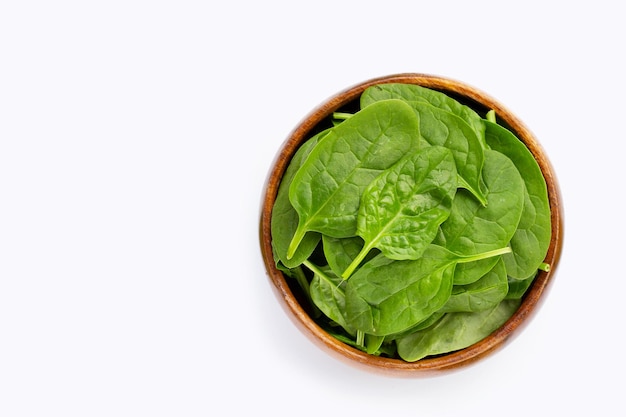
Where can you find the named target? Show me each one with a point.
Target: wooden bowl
(286, 290)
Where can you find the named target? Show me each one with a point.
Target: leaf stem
(356, 262)
(544, 267)
(360, 338)
(303, 282)
(295, 241)
(317, 271)
(484, 255)
(491, 116)
(342, 116)
(301, 279)
(475, 193)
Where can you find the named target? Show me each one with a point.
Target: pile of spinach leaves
(414, 225)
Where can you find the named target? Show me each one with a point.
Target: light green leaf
(401, 210)
(474, 228)
(441, 128)
(284, 220)
(327, 188)
(455, 331)
(532, 237)
(386, 296)
(328, 295)
(412, 92)
(480, 295)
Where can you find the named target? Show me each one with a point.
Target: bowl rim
(533, 298)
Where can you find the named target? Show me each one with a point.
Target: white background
(135, 140)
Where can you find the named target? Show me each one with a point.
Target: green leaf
(340, 253)
(427, 322)
(518, 287)
(444, 121)
(474, 228)
(328, 295)
(468, 273)
(455, 331)
(386, 296)
(284, 220)
(441, 128)
(373, 343)
(485, 293)
(532, 237)
(411, 92)
(327, 188)
(401, 210)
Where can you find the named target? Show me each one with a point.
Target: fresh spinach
(474, 228)
(518, 287)
(455, 331)
(328, 295)
(439, 127)
(532, 237)
(480, 295)
(285, 218)
(378, 294)
(412, 92)
(414, 226)
(327, 188)
(401, 210)
(340, 253)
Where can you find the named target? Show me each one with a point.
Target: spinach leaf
(373, 343)
(377, 294)
(518, 287)
(455, 331)
(443, 121)
(327, 188)
(401, 210)
(328, 295)
(485, 293)
(284, 220)
(411, 92)
(439, 127)
(474, 228)
(466, 274)
(340, 253)
(388, 296)
(532, 238)
(427, 322)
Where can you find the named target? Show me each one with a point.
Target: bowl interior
(295, 304)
